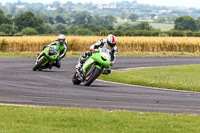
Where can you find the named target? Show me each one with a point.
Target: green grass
(16, 119)
(186, 77)
(159, 55)
(162, 26)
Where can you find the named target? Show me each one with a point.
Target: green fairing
(60, 47)
(96, 57)
(45, 62)
(52, 57)
(47, 57)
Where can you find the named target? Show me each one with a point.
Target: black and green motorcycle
(49, 56)
(93, 67)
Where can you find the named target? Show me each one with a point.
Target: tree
(4, 19)
(24, 20)
(83, 32)
(143, 26)
(61, 10)
(48, 19)
(59, 26)
(93, 28)
(1, 12)
(6, 28)
(29, 31)
(110, 20)
(98, 20)
(28, 19)
(51, 20)
(186, 23)
(198, 22)
(133, 17)
(60, 19)
(83, 18)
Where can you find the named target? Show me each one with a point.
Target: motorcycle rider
(109, 43)
(62, 46)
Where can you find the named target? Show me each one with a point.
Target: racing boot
(82, 59)
(56, 64)
(79, 65)
(107, 71)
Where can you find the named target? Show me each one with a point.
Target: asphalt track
(20, 85)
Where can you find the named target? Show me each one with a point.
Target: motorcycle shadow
(51, 71)
(96, 86)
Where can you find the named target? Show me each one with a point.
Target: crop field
(127, 45)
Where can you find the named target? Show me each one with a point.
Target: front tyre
(94, 75)
(39, 64)
(75, 79)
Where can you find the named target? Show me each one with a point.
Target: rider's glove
(94, 51)
(111, 63)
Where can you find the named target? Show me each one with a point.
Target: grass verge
(17, 119)
(123, 54)
(27, 54)
(184, 77)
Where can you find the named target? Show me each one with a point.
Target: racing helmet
(61, 39)
(111, 41)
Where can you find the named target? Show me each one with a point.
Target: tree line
(26, 23)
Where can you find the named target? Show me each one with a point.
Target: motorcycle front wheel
(39, 64)
(92, 76)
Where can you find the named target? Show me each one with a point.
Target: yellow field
(124, 44)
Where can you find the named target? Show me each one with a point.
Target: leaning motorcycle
(93, 67)
(49, 56)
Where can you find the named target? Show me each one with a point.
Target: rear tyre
(93, 76)
(38, 65)
(75, 79)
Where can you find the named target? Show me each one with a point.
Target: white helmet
(61, 38)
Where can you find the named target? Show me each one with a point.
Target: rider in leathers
(109, 43)
(62, 46)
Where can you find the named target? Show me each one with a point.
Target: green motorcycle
(93, 67)
(49, 56)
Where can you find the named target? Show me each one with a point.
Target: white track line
(132, 68)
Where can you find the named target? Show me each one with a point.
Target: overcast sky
(182, 3)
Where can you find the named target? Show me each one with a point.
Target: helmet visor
(111, 44)
(61, 41)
